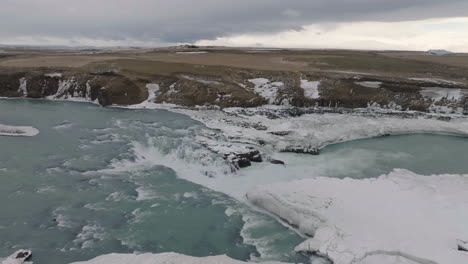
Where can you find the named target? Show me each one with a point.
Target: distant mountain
(438, 52)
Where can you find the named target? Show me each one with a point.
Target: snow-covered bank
(25, 131)
(397, 218)
(163, 258)
(272, 126)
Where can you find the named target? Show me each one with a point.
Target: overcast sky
(357, 24)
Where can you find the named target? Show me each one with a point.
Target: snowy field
(397, 218)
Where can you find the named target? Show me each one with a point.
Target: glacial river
(101, 180)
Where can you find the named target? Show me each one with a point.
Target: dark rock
(259, 126)
(256, 158)
(280, 133)
(311, 150)
(23, 255)
(243, 162)
(244, 159)
(444, 118)
(278, 162)
(9, 84)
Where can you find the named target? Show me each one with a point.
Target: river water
(101, 180)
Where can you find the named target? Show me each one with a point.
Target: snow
(370, 84)
(201, 80)
(162, 258)
(310, 89)
(25, 131)
(53, 75)
(63, 88)
(23, 86)
(352, 72)
(191, 52)
(435, 80)
(401, 217)
(317, 130)
(266, 89)
(152, 91)
(438, 93)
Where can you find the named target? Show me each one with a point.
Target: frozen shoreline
(401, 217)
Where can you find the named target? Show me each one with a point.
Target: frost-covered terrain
(25, 131)
(397, 218)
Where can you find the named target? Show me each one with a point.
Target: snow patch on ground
(191, 52)
(310, 89)
(25, 131)
(266, 89)
(370, 84)
(53, 75)
(403, 217)
(23, 86)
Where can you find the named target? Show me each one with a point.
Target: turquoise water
(100, 180)
(72, 192)
(421, 153)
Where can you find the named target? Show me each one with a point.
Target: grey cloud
(187, 21)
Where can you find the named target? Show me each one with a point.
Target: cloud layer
(160, 22)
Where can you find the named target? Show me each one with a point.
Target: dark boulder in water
(277, 162)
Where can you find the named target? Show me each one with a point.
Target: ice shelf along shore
(401, 217)
(25, 131)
